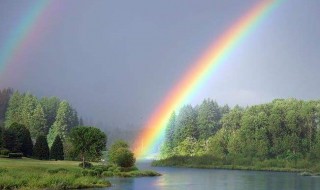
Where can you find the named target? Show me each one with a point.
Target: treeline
(286, 129)
(45, 116)
(35, 126)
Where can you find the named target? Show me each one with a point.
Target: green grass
(28, 173)
(207, 161)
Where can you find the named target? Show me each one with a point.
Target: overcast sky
(115, 60)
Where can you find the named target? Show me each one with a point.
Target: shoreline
(301, 171)
(27, 173)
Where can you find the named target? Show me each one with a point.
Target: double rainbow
(198, 74)
(25, 33)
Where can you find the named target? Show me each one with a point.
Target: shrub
(124, 157)
(86, 165)
(107, 174)
(15, 155)
(58, 170)
(4, 152)
(128, 169)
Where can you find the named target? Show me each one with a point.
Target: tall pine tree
(56, 151)
(63, 124)
(41, 148)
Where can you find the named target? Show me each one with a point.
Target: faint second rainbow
(20, 34)
(197, 75)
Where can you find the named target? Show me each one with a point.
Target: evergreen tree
(10, 141)
(23, 138)
(41, 148)
(5, 95)
(14, 110)
(56, 151)
(208, 118)
(1, 136)
(62, 124)
(38, 122)
(167, 148)
(50, 107)
(186, 125)
(29, 105)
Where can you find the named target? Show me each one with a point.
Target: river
(203, 179)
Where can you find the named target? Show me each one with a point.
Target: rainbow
(198, 74)
(21, 35)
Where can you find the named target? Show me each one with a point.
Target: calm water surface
(202, 179)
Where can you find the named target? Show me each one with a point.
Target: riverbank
(32, 174)
(28, 173)
(209, 162)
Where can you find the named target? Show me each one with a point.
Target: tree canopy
(88, 142)
(283, 128)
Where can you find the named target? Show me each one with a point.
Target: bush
(107, 174)
(86, 165)
(102, 167)
(58, 170)
(4, 152)
(15, 155)
(124, 157)
(128, 169)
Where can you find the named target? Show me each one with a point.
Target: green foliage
(50, 107)
(218, 144)
(4, 152)
(41, 116)
(15, 155)
(124, 157)
(69, 150)
(38, 122)
(167, 148)
(208, 118)
(27, 108)
(56, 151)
(63, 124)
(41, 148)
(21, 139)
(1, 135)
(85, 165)
(186, 125)
(283, 129)
(32, 174)
(57, 170)
(88, 142)
(14, 109)
(5, 95)
(120, 154)
(113, 149)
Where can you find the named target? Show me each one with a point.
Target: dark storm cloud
(116, 60)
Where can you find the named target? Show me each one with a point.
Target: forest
(284, 131)
(27, 122)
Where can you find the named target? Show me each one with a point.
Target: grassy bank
(278, 165)
(30, 174)
(36, 174)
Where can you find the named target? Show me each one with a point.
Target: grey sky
(115, 60)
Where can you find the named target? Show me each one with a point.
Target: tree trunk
(83, 161)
